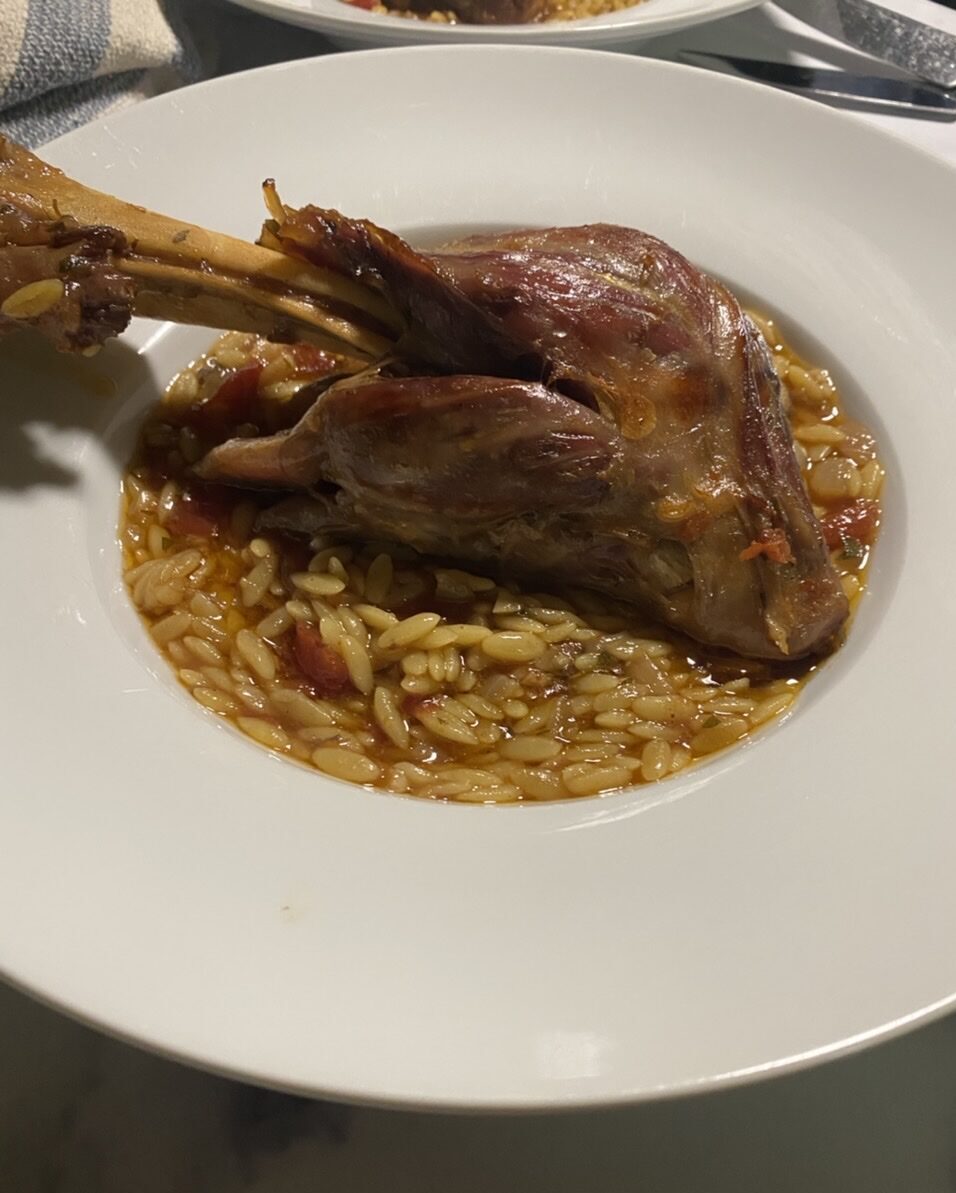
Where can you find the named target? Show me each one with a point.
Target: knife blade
(896, 96)
(919, 49)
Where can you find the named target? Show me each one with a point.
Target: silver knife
(895, 96)
(922, 50)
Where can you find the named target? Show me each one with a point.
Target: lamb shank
(580, 404)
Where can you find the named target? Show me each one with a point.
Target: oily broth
(378, 666)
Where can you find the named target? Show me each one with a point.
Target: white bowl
(167, 880)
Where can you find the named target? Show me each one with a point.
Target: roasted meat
(581, 405)
(656, 462)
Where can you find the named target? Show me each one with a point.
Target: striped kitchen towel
(64, 62)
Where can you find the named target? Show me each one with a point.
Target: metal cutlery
(873, 92)
(919, 49)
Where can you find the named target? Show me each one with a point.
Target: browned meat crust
(696, 507)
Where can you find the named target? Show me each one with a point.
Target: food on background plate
(496, 12)
(522, 517)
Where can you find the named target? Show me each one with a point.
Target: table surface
(80, 1113)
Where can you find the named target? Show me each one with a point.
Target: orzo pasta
(380, 667)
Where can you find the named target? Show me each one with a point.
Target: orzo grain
(331, 655)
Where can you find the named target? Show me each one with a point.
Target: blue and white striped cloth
(65, 62)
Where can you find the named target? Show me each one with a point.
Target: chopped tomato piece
(200, 513)
(309, 359)
(774, 544)
(239, 385)
(858, 520)
(412, 705)
(323, 668)
(232, 403)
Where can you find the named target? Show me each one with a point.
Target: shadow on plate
(48, 396)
